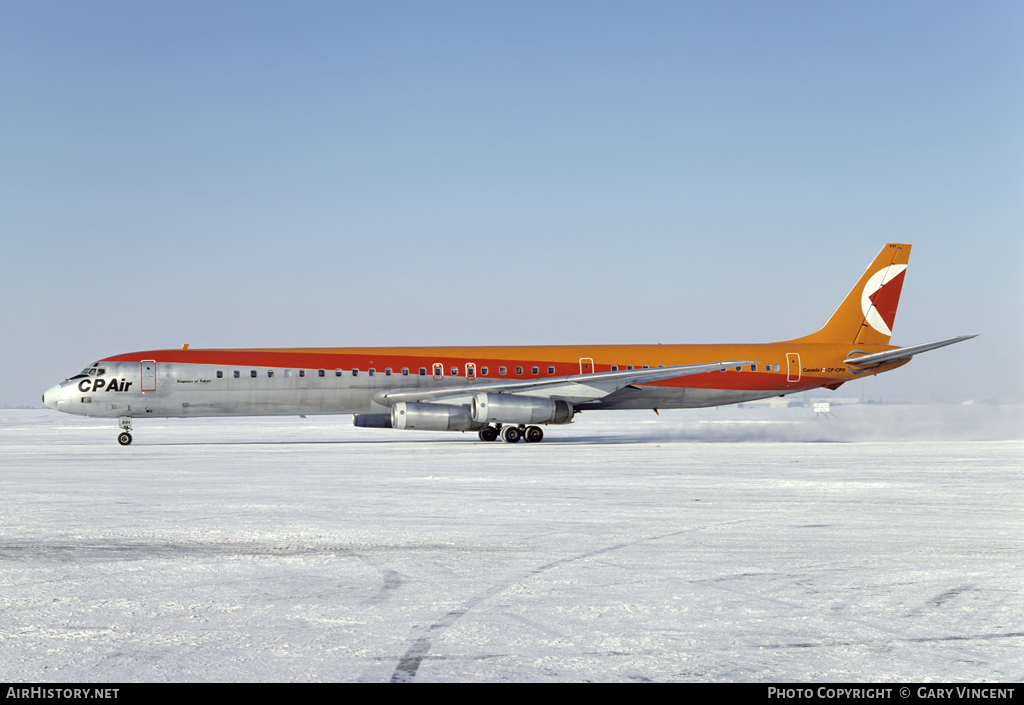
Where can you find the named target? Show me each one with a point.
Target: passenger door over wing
(586, 365)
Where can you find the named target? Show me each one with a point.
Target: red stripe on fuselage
(343, 359)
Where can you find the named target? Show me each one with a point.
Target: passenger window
(252, 373)
(455, 371)
(287, 373)
(776, 367)
(647, 367)
(502, 370)
(355, 371)
(535, 370)
(372, 372)
(337, 373)
(483, 371)
(220, 373)
(551, 369)
(270, 373)
(753, 368)
(629, 367)
(405, 371)
(423, 372)
(302, 373)
(615, 368)
(519, 370)
(739, 368)
(387, 371)
(320, 372)
(237, 374)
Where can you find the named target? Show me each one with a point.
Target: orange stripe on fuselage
(564, 358)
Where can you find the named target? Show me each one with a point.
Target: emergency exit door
(793, 367)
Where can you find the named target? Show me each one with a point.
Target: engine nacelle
(432, 417)
(513, 409)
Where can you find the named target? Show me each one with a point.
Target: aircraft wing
(574, 388)
(900, 353)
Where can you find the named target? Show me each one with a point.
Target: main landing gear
(512, 434)
(125, 437)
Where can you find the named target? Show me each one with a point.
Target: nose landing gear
(125, 437)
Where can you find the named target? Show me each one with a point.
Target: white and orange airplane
(506, 392)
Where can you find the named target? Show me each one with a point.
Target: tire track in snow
(409, 663)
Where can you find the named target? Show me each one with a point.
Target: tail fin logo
(881, 296)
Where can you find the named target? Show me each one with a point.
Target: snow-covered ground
(698, 545)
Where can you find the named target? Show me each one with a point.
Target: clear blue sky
(331, 174)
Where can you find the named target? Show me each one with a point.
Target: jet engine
(513, 409)
(432, 417)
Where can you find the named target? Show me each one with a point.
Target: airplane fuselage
(497, 391)
(189, 383)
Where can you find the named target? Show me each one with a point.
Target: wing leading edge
(574, 388)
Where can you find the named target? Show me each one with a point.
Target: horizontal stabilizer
(901, 353)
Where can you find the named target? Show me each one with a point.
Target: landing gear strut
(125, 437)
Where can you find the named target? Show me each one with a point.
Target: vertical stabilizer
(868, 312)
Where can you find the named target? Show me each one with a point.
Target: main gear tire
(533, 434)
(510, 434)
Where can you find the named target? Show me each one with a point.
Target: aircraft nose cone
(51, 396)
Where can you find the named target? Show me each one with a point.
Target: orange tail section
(868, 312)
